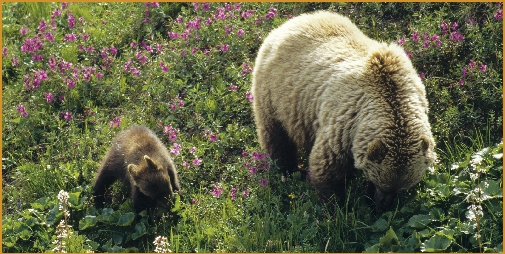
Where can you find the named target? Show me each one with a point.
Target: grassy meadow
(76, 74)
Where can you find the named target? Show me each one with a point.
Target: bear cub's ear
(150, 163)
(377, 151)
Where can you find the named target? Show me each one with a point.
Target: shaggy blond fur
(141, 161)
(321, 85)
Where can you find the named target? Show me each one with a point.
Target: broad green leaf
(390, 238)
(491, 189)
(73, 198)
(437, 243)
(414, 241)
(126, 219)
(140, 230)
(380, 225)
(118, 238)
(87, 222)
(373, 249)
(419, 221)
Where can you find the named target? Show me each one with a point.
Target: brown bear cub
(141, 161)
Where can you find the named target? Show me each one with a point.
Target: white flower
(161, 244)
(498, 156)
(454, 166)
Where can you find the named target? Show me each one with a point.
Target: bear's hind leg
(281, 148)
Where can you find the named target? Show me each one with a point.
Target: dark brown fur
(141, 161)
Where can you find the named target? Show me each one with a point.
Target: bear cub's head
(394, 167)
(152, 180)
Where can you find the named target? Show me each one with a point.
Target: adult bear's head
(394, 166)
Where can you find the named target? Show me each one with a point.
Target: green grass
(60, 143)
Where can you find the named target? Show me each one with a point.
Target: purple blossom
(464, 71)
(192, 150)
(185, 164)
(232, 193)
(220, 14)
(49, 36)
(71, 21)
(422, 75)
(49, 97)
(176, 150)
(246, 193)
(178, 20)
(224, 47)
(217, 191)
(415, 36)
(197, 161)
(37, 58)
(85, 37)
(499, 14)
(4, 51)
(71, 83)
(249, 96)
(31, 45)
(21, 109)
(104, 53)
(444, 27)
(163, 67)
(212, 137)
(195, 4)
(67, 116)
(472, 21)
(99, 75)
(244, 153)
(240, 32)
(454, 26)
(170, 132)
(15, 61)
(115, 122)
(263, 182)
(206, 6)
(135, 72)
(23, 31)
(183, 52)
(158, 48)
(206, 52)
(471, 64)
(483, 67)
(57, 12)
(42, 26)
(133, 44)
(461, 82)
(173, 35)
(401, 41)
(233, 88)
(271, 13)
(70, 37)
(227, 30)
(247, 14)
(456, 36)
(113, 50)
(193, 51)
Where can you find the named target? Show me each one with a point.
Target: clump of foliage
(75, 74)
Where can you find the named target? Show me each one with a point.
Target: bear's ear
(425, 143)
(377, 151)
(150, 163)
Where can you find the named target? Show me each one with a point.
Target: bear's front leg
(329, 171)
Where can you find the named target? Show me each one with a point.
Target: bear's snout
(384, 201)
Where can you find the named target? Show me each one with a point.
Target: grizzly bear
(141, 161)
(322, 86)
